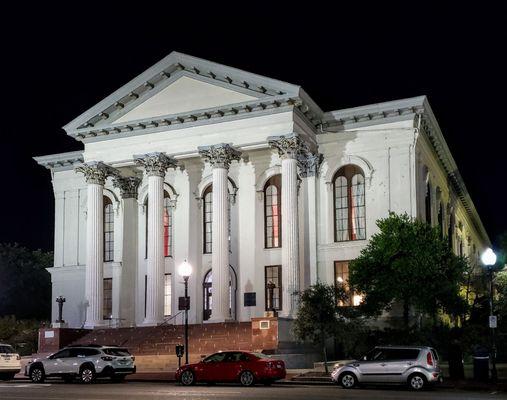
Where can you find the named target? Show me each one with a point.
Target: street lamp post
(488, 258)
(60, 300)
(185, 270)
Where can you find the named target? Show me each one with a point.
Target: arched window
(450, 231)
(272, 212)
(427, 202)
(441, 218)
(349, 204)
(168, 225)
(207, 219)
(108, 229)
(167, 221)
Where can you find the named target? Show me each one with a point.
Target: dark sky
(58, 62)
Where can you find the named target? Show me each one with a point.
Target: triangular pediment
(185, 94)
(180, 89)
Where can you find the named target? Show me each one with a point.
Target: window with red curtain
(108, 229)
(349, 204)
(207, 219)
(272, 212)
(168, 221)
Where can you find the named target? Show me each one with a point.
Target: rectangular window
(341, 277)
(167, 294)
(108, 298)
(273, 281)
(145, 293)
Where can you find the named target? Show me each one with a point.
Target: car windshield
(5, 348)
(116, 352)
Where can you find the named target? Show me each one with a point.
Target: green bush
(21, 334)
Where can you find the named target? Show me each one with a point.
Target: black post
(186, 318)
(494, 374)
(60, 300)
(271, 287)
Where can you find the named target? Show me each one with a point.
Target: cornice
(61, 161)
(373, 114)
(430, 128)
(200, 117)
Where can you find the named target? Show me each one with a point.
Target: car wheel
(348, 380)
(187, 378)
(68, 378)
(87, 374)
(246, 378)
(416, 382)
(37, 375)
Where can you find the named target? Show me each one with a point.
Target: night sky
(58, 62)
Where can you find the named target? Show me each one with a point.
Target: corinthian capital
(219, 155)
(96, 172)
(309, 163)
(288, 146)
(128, 185)
(155, 164)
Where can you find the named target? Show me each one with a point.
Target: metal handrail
(165, 323)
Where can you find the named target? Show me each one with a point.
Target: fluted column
(220, 156)
(310, 164)
(290, 148)
(155, 166)
(95, 174)
(127, 269)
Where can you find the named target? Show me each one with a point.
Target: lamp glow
(185, 269)
(488, 257)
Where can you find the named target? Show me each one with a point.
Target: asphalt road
(56, 390)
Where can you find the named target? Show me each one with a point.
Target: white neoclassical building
(246, 178)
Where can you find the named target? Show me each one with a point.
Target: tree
(317, 318)
(25, 285)
(408, 262)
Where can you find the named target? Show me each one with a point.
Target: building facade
(247, 179)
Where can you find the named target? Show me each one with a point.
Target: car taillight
(270, 364)
(107, 358)
(429, 358)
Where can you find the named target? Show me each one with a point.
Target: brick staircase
(160, 341)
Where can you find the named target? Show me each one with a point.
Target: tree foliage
(408, 262)
(25, 285)
(317, 318)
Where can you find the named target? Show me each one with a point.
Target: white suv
(83, 362)
(414, 366)
(10, 362)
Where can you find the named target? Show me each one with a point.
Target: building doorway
(207, 287)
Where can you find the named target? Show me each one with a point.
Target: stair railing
(166, 322)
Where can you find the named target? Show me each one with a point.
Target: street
(55, 390)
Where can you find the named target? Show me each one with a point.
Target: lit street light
(185, 270)
(488, 259)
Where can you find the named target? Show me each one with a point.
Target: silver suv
(414, 366)
(83, 362)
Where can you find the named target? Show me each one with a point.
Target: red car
(233, 366)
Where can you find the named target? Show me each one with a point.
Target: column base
(150, 323)
(95, 324)
(219, 320)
